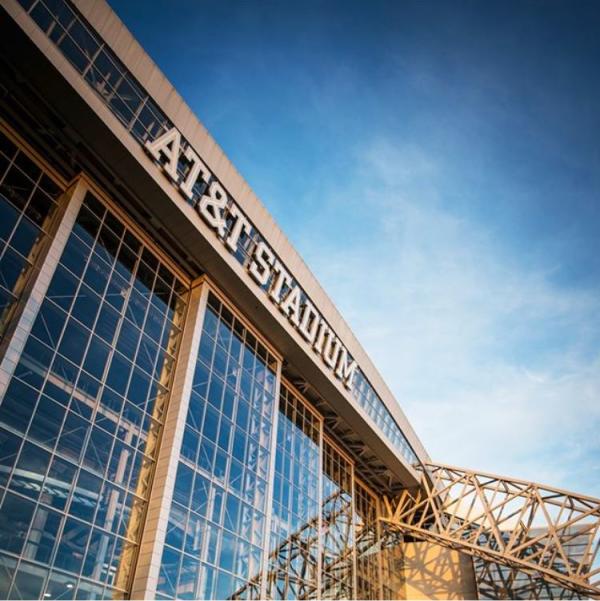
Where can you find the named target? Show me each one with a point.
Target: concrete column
(145, 578)
(270, 485)
(43, 270)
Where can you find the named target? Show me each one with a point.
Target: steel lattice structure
(524, 528)
(293, 566)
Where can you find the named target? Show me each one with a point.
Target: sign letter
(168, 144)
(345, 371)
(196, 166)
(260, 268)
(291, 306)
(211, 207)
(241, 223)
(283, 277)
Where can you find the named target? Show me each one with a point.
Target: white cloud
(489, 359)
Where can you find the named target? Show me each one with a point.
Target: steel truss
(549, 535)
(293, 565)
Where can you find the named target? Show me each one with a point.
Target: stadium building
(183, 411)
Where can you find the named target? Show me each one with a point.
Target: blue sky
(437, 164)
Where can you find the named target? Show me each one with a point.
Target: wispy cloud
(494, 363)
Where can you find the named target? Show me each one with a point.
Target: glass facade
(217, 521)
(265, 504)
(27, 202)
(81, 417)
(294, 549)
(337, 526)
(145, 120)
(368, 540)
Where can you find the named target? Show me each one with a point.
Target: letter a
(168, 145)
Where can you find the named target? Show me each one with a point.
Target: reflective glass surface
(337, 529)
(216, 531)
(368, 542)
(27, 201)
(294, 547)
(81, 418)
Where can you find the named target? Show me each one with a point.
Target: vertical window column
(147, 569)
(16, 337)
(338, 568)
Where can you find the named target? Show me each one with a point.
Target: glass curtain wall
(338, 569)
(295, 526)
(324, 541)
(27, 201)
(368, 541)
(217, 523)
(80, 420)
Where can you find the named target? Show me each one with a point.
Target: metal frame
(523, 526)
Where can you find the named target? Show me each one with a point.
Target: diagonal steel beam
(524, 526)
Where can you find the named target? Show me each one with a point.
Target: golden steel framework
(522, 527)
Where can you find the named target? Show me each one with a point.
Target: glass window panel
(98, 450)
(189, 446)
(188, 578)
(17, 187)
(49, 323)
(200, 497)
(9, 447)
(86, 305)
(58, 483)
(25, 236)
(117, 291)
(27, 166)
(111, 504)
(71, 549)
(206, 350)
(8, 218)
(16, 514)
(118, 374)
(74, 257)
(147, 354)
(97, 560)
(136, 307)
(28, 582)
(43, 535)
(126, 261)
(169, 572)
(215, 393)
(74, 342)
(7, 571)
(183, 484)
(35, 358)
(106, 326)
(73, 53)
(107, 245)
(206, 456)
(18, 405)
(96, 357)
(128, 340)
(30, 470)
(60, 586)
(138, 388)
(97, 274)
(72, 439)
(87, 226)
(211, 424)
(12, 265)
(176, 526)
